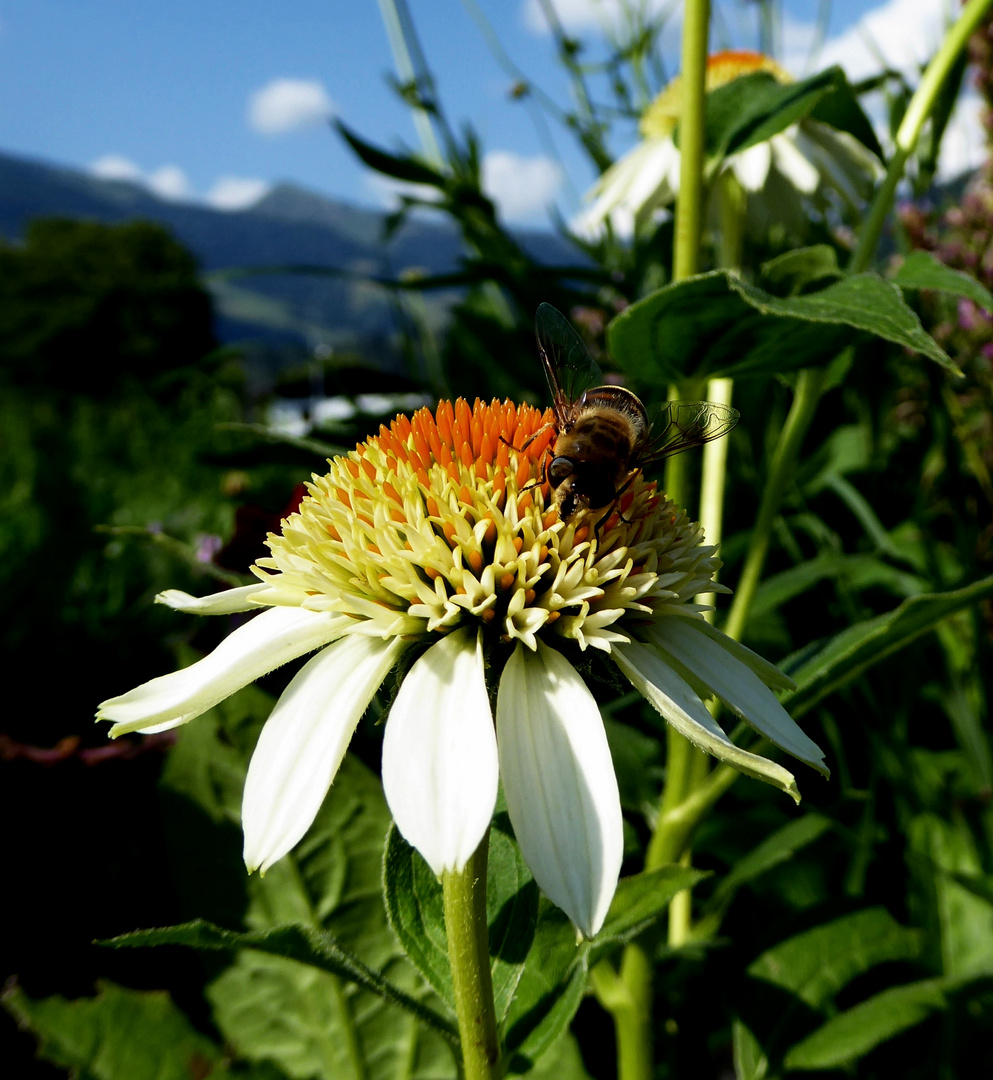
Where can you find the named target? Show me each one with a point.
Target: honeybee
(603, 436)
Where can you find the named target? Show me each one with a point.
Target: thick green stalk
(689, 205)
(469, 958)
(909, 131)
(633, 1023)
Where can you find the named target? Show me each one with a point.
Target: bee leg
(529, 440)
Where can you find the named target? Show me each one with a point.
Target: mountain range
(279, 316)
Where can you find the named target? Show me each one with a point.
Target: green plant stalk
(909, 131)
(412, 70)
(464, 895)
(689, 205)
(633, 1023)
(808, 392)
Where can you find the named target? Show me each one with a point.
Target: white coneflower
(777, 175)
(436, 537)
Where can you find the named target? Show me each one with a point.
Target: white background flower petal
(304, 740)
(259, 646)
(751, 166)
(675, 699)
(793, 165)
(740, 688)
(440, 771)
(558, 778)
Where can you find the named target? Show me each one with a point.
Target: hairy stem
(464, 895)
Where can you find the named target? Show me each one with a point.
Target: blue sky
(216, 99)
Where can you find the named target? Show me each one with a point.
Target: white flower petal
(768, 673)
(793, 165)
(261, 645)
(440, 770)
(559, 782)
(751, 166)
(304, 740)
(738, 687)
(664, 688)
(222, 603)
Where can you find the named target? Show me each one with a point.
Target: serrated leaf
(715, 324)
(305, 945)
(549, 991)
(120, 1034)
(845, 656)
(817, 963)
(405, 168)
(923, 270)
(415, 905)
(853, 1033)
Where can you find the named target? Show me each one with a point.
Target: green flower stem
(808, 392)
(464, 896)
(633, 1025)
(689, 205)
(909, 131)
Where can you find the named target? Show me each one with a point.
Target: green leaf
(750, 1061)
(783, 844)
(550, 989)
(640, 900)
(753, 108)
(851, 1034)
(405, 168)
(841, 109)
(845, 656)
(923, 270)
(414, 902)
(118, 1035)
(851, 571)
(718, 325)
(299, 943)
(816, 964)
(795, 271)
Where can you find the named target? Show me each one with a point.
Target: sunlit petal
(304, 740)
(559, 783)
(738, 687)
(440, 770)
(262, 644)
(675, 699)
(768, 673)
(751, 166)
(220, 603)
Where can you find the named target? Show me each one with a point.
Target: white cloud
(236, 192)
(963, 147)
(169, 182)
(521, 187)
(116, 167)
(288, 104)
(388, 191)
(900, 33)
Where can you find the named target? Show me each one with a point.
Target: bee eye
(559, 470)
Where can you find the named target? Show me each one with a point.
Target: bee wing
(680, 425)
(569, 368)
